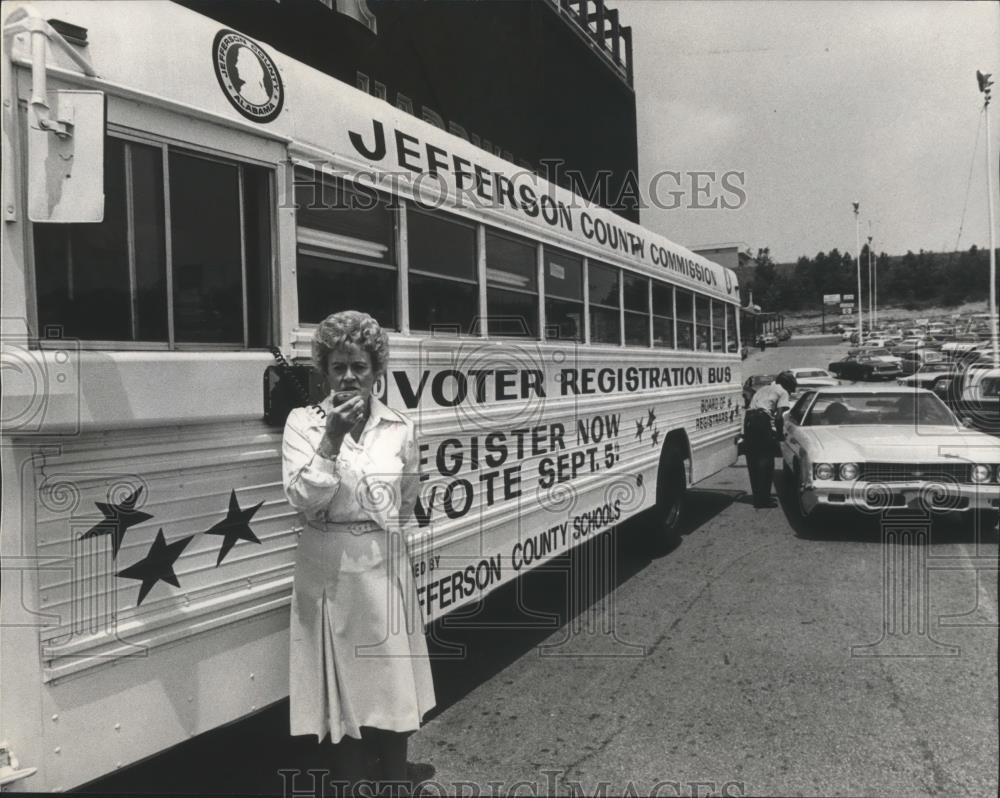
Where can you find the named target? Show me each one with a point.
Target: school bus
(182, 204)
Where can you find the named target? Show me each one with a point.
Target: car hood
(875, 443)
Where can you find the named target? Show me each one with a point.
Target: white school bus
(177, 200)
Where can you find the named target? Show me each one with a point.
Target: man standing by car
(763, 428)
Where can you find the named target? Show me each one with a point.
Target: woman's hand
(339, 421)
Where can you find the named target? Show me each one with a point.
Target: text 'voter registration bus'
(177, 201)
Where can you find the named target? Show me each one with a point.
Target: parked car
(885, 355)
(874, 448)
(974, 393)
(864, 367)
(978, 398)
(784, 334)
(754, 384)
(770, 339)
(929, 374)
(959, 345)
(812, 377)
(912, 361)
(909, 343)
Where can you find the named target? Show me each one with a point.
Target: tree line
(914, 279)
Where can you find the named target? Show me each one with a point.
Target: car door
(792, 444)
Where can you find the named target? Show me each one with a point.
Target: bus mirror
(66, 158)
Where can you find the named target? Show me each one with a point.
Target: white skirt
(358, 656)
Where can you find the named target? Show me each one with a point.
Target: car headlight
(824, 471)
(981, 473)
(849, 471)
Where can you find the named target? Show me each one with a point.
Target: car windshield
(810, 373)
(896, 409)
(934, 367)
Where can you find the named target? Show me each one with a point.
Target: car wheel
(799, 482)
(671, 488)
(796, 480)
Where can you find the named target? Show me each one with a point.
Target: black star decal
(638, 428)
(157, 565)
(117, 519)
(235, 526)
(656, 436)
(651, 419)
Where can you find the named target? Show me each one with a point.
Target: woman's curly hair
(350, 327)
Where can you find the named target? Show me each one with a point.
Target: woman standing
(359, 669)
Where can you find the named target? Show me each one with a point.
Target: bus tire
(671, 488)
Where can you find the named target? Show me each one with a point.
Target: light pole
(875, 282)
(871, 296)
(857, 238)
(984, 86)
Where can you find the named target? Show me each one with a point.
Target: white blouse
(374, 479)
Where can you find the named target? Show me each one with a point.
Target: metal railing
(601, 28)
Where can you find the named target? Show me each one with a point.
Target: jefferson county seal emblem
(248, 76)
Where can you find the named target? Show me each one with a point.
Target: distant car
(959, 345)
(864, 367)
(807, 378)
(910, 343)
(873, 448)
(770, 339)
(912, 361)
(929, 374)
(754, 384)
(977, 398)
(784, 334)
(885, 355)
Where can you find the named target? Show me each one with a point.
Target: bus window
(107, 283)
(604, 304)
(663, 315)
(636, 291)
(205, 237)
(731, 342)
(346, 258)
(511, 286)
(718, 327)
(444, 292)
(685, 319)
(703, 323)
(563, 296)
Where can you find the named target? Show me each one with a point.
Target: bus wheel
(670, 490)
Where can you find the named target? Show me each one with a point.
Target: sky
(819, 104)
